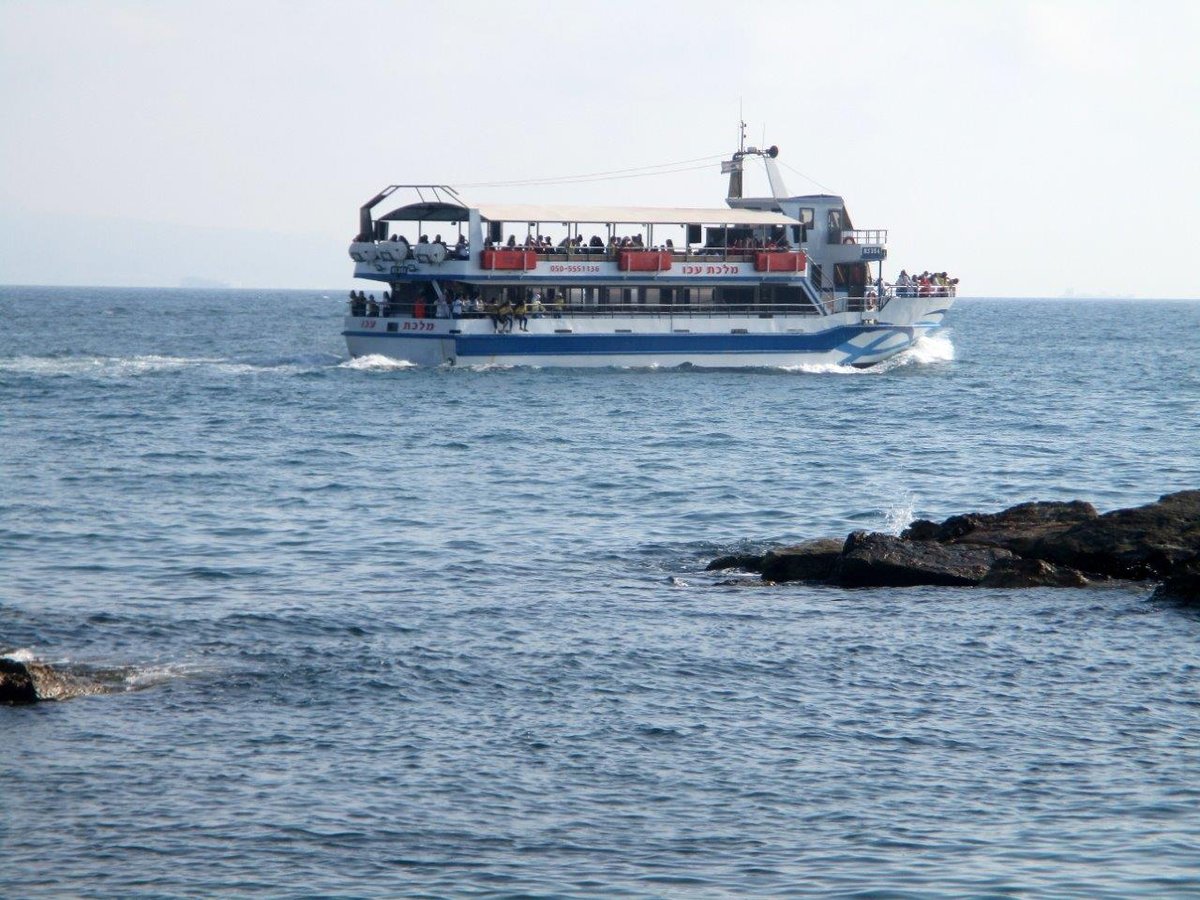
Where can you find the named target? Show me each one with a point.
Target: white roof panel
(630, 215)
(627, 215)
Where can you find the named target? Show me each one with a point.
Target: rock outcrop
(1149, 541)
(881, 560)
(1017, 529)
(1041, 544)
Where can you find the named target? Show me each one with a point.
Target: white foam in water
(931, 348)
(115, 367)
(376, 363)
(149, 676)
(825, 369)
(22, 654)
(900, 514)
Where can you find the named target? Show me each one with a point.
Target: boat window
(736, 296)
(807, 216)
(835, 220)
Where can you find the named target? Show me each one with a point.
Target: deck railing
(399, 251)
(611, 310)
(872, 237)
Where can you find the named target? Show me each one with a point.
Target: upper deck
(599, 244)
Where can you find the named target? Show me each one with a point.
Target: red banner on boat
(780, 261)
(644, 260)
(519, 260)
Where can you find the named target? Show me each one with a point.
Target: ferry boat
(773, 281)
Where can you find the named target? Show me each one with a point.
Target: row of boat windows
(473, 301)
(687, 238)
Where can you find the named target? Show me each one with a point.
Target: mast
(734, 167)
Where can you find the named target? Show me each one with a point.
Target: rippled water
(376, 630)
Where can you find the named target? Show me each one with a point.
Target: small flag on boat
(731, 165)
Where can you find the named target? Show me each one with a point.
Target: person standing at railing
(520, 312)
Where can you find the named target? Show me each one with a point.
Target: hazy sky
(1031, 148)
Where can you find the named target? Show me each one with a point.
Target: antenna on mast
(733, 167)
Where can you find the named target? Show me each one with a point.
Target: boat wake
(930, 348)
(138, 366)
(376, 363)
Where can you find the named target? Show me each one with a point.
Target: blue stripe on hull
(491, 345)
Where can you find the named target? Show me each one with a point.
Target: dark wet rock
(1038, 544)
(809, 561)
(1015, 572)
(749, 562)
(29, 682)
(1183, 586)
(883, 560)
(1150, 541)
(16, 684)
(1017, 529)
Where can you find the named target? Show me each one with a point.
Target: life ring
(849, 240)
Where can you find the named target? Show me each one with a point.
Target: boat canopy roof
(639, 215)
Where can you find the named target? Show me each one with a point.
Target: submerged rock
(810, 561)
(29, 682)
(749, 562)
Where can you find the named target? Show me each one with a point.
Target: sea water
(379, 630)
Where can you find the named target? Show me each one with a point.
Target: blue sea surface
(387, 631)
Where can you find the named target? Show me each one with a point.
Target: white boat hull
(581, 340)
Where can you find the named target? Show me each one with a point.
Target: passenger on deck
(372, 306)
(511, 242)
(504, 316)
(419, 307)
(477, 307)
(456, 308)
(520, 312)
(535, 305)
(597, 242)
(442, 309)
